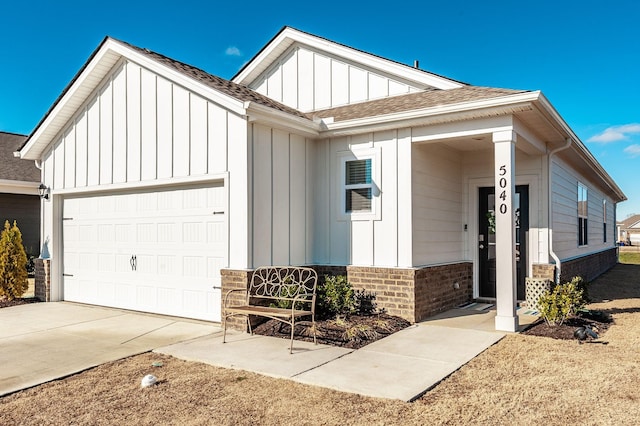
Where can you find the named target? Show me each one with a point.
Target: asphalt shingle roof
(230, 88)
(12, 168)
(413, 101)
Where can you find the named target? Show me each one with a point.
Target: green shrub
(562, 302)
(582, 285)
(335, 297)
(365, 302)
(13, 263)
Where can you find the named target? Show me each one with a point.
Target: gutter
(550, 206)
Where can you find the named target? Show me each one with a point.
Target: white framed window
(583, 216)
(359, 184)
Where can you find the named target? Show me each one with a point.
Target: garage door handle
(67, 275)
(134, 262)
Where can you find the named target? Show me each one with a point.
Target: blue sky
(583, 55)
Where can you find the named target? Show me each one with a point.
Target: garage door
(154, 251)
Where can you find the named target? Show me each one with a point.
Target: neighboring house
(19, 200)
(168, 184)
(629, 230)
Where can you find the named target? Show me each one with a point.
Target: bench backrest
(284, 283)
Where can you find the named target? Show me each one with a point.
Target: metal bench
(271, 285)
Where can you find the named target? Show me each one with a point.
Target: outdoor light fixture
(44, 191)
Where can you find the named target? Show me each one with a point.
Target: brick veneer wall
(233, 279)
(413, 294)
(42, 288)
(394, 288)
(436, 289)
(589, 267)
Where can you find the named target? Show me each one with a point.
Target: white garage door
(155, 251)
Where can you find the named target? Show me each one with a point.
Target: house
(629, 230)
(19, 200)
(169, 185)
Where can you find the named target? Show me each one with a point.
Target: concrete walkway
(401, 366)
(46, 341)
(41, 342)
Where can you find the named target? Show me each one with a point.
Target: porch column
(504, 158)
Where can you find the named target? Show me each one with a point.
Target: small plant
(365, 302)
(335, 297)
(562, 302)
(361, 332)
(13, 261)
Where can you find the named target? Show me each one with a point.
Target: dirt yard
(521, 380)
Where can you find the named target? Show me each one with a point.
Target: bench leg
(249, 324)
(293, 328)
(224, 333)
(313, 324)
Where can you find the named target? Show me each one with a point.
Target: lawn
(520, 380)
(629, 257)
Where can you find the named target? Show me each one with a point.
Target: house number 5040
(503, 182)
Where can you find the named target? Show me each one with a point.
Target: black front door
(487, 239)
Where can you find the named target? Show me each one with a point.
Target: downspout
(550, 213)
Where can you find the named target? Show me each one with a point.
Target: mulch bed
(595, 319)
(15, 302)
(353, 332)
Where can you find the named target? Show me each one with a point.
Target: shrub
(562, 302)
(335, 297)
(13, 263)
(365, 302)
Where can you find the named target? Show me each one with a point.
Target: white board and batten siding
(437, 204)
(142, 132)
(281, 197)
(380, 241)
(310, 80)
(565, 213)
(141, 127)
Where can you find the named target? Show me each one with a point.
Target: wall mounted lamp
(44, 191)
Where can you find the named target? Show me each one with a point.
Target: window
(358, 186)
(604, 220)
(359, 191)
(582, 215)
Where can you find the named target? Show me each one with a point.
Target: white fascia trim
(34, 140)
(402, 71)
(19, 187)
(179, 78)
(522, 99)
(100, 66)
(581, 148)
(280, 119)
(169, 182)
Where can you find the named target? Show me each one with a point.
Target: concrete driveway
(41, 342)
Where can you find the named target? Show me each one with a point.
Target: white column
(504, 158)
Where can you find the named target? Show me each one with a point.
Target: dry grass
(520, 380)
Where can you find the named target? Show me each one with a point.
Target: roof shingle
(230, 88)
(413, 101)
(12, 168)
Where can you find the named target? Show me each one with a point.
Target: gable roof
(227, 87)
(630, 222)
(289, 36)
(100, 63)
(413, 101)
(12, 168)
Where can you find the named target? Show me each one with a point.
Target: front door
(487, 240)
